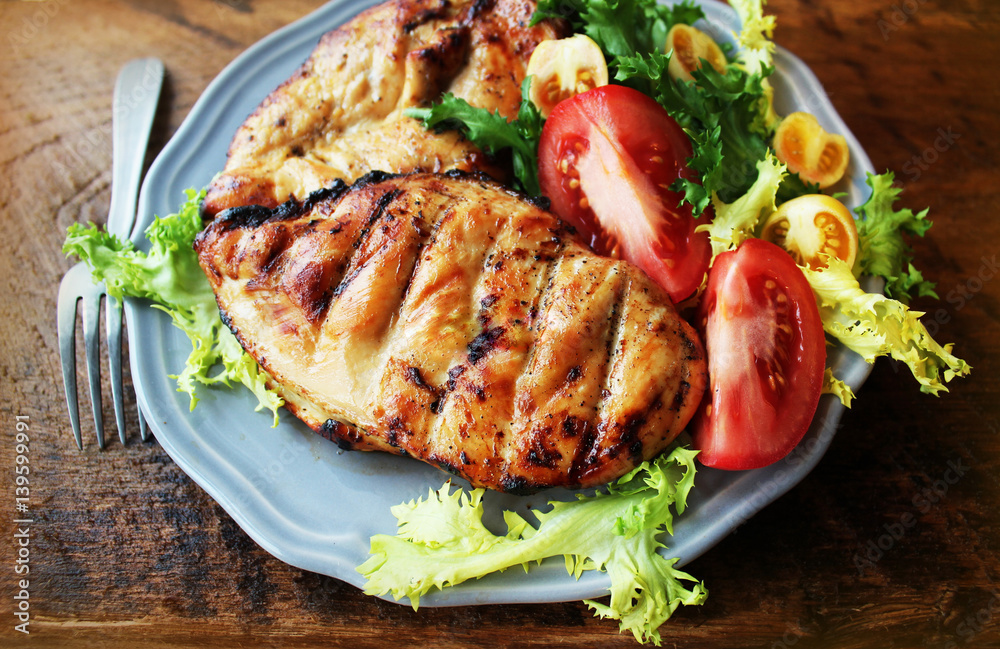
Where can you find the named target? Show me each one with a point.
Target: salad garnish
(884, 251)
(492, 133)
(874, 325)
(442, 542)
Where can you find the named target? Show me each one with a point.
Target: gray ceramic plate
(314, 506)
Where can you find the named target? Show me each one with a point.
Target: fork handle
(137, 93)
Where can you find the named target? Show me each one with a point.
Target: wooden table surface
(892, 541)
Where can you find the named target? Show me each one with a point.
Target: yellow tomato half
(563, 68)
(812, 228)
(690, 45)
(817, 156)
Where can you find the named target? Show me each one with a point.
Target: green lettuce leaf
(883, 251)
(170, 276)
(621, 28)
(441, 542)
(492, 133)
(736, 222)
(874, 325)
(720, 113)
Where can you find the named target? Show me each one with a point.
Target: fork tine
(113, 335)
(91, 340)
(143, 429)
(67, 351)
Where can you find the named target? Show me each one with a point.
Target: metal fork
(137, 92)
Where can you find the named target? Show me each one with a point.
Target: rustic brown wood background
(127, 550)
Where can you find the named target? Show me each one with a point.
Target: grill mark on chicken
(413, 374)
(377, 213)
(626, 432)
(245, 216)
(482, 344)
(443, 57)
(485, 340)
(536, 305)
(681, 396)
(254, 216)
(339, 433)
(269, 259)
(543, 296)
(612, 342)
(359, 244)
(312, 291)
(478, 8)
(424, 17)
(453, 375)
(595, 435)
(444, 353)
(427, 233)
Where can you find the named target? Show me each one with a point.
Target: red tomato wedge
(606, 160)
(766, 356)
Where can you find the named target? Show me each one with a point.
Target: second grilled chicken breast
(447, 318)
(342, 113)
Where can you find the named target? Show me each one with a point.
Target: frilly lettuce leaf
(720, 112)
(621, 27)
(755, 34)
(883, 252)
(441, 542)
(170, 276)
(735, 222)
(840, 389)
(757, 51)
(874, 325)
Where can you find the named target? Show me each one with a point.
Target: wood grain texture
(127, 550)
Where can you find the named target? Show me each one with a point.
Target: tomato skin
(607, 158)
(766, 356)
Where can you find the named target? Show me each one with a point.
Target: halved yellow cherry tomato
(690, 45)
(817, 156)
(563, 68)
(812, 228)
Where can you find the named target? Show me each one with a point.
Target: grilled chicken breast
(446, 318)
(341, 114)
